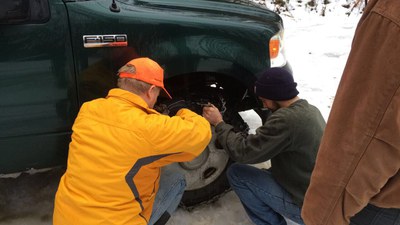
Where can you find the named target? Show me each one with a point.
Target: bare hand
(212, 114)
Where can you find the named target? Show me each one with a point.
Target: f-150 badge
(108, 40)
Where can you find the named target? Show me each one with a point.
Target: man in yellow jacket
(119, 145)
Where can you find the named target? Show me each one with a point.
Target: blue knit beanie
(276, 84)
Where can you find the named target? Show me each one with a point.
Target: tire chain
(208, 202)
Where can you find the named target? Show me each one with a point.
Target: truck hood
(229, 10)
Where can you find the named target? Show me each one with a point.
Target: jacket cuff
(222, 126)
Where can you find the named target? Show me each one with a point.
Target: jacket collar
(131, 98)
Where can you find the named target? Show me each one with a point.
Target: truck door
(37, 84)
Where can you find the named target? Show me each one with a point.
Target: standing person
(119, 146)
(356, 178)
(289, 138)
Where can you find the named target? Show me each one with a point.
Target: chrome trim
(107, 40)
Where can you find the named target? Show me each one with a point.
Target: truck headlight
(276, 51)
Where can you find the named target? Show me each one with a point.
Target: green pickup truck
(57, 54)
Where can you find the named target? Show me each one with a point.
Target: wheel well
(198, 85)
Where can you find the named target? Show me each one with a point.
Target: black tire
(209, 193)
(219, 185)
(205, 176)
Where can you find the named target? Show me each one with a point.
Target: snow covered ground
(317, 48)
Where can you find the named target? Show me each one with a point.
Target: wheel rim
(205, 168)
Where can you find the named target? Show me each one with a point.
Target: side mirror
(24, 11)
(14, 11)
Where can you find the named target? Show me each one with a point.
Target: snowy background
(316, 47)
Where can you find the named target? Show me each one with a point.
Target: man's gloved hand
(175, 105)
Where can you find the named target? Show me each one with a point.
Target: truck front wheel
(205, 175)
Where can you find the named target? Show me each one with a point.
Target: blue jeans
(264, 200)
(172, 186)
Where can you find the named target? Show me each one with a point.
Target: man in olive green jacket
(290, 138)
(356, 179)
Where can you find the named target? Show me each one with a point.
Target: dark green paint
(46, 73)
(39, 97)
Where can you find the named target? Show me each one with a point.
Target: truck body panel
(37, 84)
(70, 54)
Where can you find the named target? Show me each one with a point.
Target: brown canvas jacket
(359, 157)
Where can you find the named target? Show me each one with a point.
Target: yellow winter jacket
(118, 147)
